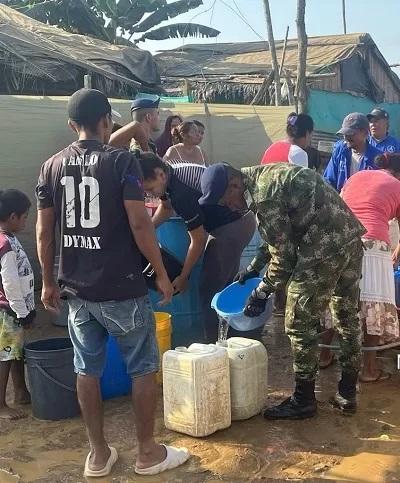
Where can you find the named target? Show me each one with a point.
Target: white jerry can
(248, 364)
(196, 389)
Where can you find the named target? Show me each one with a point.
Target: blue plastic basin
(230, 303)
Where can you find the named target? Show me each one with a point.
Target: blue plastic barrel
(250, 251)
(397, 286)
(187, 325)
(115, 381)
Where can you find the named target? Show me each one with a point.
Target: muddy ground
(362, 448)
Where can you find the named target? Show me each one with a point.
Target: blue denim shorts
(131, 322)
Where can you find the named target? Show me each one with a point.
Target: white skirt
(377, 282)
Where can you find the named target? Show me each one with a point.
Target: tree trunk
(301, 86)
(272, 49)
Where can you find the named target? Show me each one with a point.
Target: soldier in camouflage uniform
(314, 242)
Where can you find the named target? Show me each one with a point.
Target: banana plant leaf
(178, 30)
(162, 14)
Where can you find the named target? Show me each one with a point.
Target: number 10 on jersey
(89, 200)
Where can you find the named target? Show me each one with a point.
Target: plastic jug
(248, 364)
(196, 389)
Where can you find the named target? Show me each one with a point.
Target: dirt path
(364, 448)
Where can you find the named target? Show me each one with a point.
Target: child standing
(17, 305)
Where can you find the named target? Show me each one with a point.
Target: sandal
(175, 457)
(382, 376)
(104, 471)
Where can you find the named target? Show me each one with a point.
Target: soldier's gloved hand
(245, 275)
(256, 303)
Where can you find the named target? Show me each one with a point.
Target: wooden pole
(87, 81)
(284, 51)
(263, 89)
(344, 16)
(272, 49)
(301, 85)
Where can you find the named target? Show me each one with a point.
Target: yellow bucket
(163, 331)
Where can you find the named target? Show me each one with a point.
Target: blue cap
(354, 122)
(213, 184)
(145, 103)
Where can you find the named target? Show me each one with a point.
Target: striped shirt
(183, 192)
(188, 173)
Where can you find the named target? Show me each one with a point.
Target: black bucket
(52, 380)
(172, 266)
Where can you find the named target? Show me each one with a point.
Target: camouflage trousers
(334, 283)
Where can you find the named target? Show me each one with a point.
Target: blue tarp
(329, 108)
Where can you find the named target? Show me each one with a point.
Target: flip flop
(382, 376)
(175, 457)
(329, 364)
(104, 471)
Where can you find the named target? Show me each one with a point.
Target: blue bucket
(115, 381)
(250, 251)
(230, 303)
(187, 324)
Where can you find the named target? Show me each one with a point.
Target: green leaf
(177, 30)
(165, 13)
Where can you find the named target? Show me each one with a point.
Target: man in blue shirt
(353, 154)
(379, 128)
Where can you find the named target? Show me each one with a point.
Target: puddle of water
(365, 468)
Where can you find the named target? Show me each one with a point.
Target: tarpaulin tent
(34, 128)
(41, 59)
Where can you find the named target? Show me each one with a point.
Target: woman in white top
(186, 148)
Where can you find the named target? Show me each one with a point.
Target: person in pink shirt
(374, 197)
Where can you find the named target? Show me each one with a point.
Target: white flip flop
(175, 457)
(104, 471)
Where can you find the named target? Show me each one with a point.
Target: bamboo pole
(301, 86)
(274, 60)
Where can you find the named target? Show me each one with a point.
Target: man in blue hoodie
(379, 128)
(353, 154)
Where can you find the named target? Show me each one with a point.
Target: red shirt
(285, 152)
(374, 198)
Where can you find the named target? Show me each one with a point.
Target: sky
(379, 18)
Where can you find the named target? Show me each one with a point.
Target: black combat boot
(345, 399)
(301, 405)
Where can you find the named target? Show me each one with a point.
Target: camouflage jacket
(301, 218)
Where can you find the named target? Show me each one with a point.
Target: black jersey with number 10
(86, 184)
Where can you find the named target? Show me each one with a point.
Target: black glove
(28, 320)
(255, 305)
(245, 275)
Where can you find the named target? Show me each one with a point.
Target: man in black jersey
(94, 193)
(219, 232)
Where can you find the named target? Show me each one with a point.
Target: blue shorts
(131, 322)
